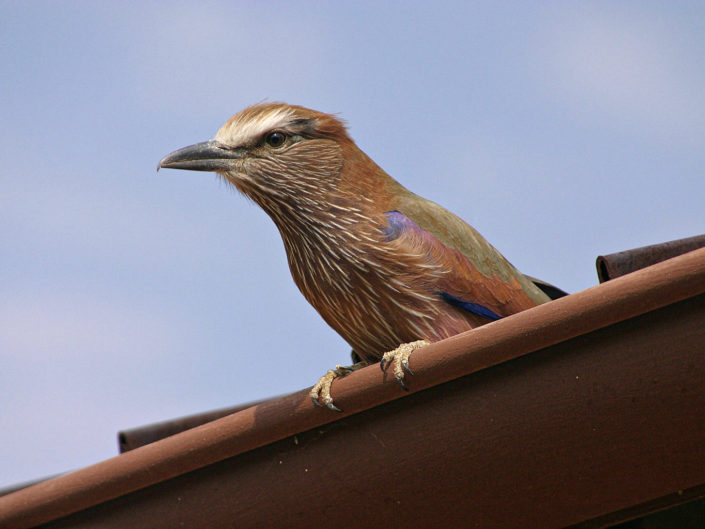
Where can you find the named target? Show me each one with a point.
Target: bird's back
(456, 234)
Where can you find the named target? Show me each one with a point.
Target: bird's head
(282, 156)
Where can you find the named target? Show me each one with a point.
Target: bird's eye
(275, 139)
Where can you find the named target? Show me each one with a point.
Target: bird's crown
(248, 127)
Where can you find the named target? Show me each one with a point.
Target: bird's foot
(399, 358)
(320, 392)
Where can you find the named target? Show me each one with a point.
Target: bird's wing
(459, 283)
(480, 267)
(552, 291)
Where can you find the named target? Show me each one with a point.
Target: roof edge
(501, 341)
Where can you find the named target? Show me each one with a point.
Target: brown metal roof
(584, 411)
(620, 263)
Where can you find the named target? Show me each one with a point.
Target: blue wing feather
(473, 308)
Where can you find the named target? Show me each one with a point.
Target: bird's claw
(399, 359)
(328, 402)
(320, 392)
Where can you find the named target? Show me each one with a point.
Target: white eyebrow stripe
(242, 130)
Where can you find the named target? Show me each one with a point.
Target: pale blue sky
(560, 131)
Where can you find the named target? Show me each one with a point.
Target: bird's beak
(206, 156)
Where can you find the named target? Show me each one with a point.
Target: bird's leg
(399, 358)
(320, 392)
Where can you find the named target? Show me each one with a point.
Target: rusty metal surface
(143, 435)
(620, 263)
(20, 486)
(558, 437)
(569, 411)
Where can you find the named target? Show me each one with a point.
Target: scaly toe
(328, 401)
(405, 365)
(399, 359)
(321, 389)
(320, 392)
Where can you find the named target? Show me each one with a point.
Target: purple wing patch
(398, 224)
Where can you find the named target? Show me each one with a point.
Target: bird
(388, 270)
